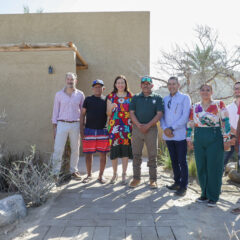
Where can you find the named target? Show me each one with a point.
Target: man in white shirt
(233, 117)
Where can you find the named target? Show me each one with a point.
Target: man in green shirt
(146, 109)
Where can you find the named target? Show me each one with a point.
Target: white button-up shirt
(233, 115)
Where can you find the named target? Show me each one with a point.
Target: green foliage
(165, 160)
(192, 168)
(26, 9)
(163, 156)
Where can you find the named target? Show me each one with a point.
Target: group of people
(121, 123)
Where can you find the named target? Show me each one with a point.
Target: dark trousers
(178, 153)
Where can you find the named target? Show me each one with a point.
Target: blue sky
(172, 21)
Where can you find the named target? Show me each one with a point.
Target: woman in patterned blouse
(210, 121)
(120, 127)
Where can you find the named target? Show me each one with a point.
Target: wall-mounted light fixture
(50, 70)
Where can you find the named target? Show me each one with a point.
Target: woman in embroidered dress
(210, 121)
(120, 127)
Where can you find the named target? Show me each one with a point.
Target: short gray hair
(73, 75)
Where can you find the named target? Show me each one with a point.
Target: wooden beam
(24, 47)
(82, 67)
(34, 49)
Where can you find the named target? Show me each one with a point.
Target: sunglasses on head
(205, 90)
(146, 79)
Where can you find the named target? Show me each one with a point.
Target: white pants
(63, 130)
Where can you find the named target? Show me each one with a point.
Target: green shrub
(164, 157)
(192, 168)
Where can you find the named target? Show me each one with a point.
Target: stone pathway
(114, 212)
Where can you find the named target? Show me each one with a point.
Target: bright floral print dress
(120, 127)
(216, 115)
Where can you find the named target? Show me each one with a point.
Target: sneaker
(173, 186)
(76, 176)
(134, 183)
(201, 199)
(211, 203)
(181, 192)
(153, 184)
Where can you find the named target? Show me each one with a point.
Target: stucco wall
(27, 95)
(112, 43)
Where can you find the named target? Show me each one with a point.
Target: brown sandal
(236, 211)
(87, 179)
(102, 180)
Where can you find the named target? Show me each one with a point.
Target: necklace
(122, 95)
(205, 106)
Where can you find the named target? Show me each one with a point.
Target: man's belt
(67, 121)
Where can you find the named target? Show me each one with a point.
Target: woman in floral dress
(210, 121)
(119, 127)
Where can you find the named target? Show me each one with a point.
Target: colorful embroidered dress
(209, 118)
(120, 127)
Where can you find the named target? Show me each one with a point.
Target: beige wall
(111, 43)
(27, 94)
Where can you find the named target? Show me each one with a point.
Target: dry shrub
(32, 177)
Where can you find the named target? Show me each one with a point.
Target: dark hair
(126, 84)
(207, 85)
(173, 78)
(236, 83)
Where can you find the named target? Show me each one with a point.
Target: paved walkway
(115, 212)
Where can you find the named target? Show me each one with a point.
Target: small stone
(11, 209)
(234, 176)
(230, 166)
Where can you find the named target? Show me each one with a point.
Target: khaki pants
(63, 131)
(138, 140)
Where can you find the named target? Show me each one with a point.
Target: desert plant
(192, 168)
(164, 157)
(7, 160)
(33, 179)
(207, 61)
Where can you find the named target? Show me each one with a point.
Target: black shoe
(201, 199)
(211, 203)
(181, 192)
(173, 186)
